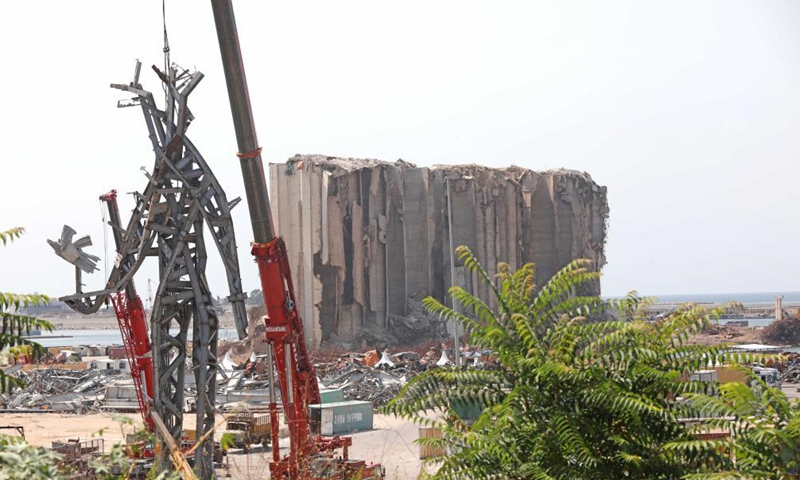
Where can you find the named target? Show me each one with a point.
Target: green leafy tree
(575, 396)
(15, 324)
(765, 432)
(21, 461)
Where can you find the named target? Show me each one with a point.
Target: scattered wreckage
(58, 390)
(792, 373)
(378, 378)
(102, 384)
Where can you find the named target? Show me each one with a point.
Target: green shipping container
(331, 395)
(469, 412)
(341, 417)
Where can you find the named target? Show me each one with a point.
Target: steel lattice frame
(182, 196)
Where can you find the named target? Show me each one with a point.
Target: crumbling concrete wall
(368, 239)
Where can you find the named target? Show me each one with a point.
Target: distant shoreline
(76, 321)
(44, 337)
(746, 298)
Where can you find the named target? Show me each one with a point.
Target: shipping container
(117, 352)
(730, 374)
(712, 435)
(331, 395)
(467, 411)
(429, 451)
(710, 376)
(341, 417)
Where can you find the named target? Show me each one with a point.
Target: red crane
(309, 457)
(132, 322)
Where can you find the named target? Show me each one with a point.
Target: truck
(770, 376)
(246, 428)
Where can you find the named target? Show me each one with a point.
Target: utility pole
(452, 270)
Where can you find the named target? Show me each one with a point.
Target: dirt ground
(390, 443)
(718, 334)
(42, 428)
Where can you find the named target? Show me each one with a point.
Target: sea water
(71, 338)
(759, 298)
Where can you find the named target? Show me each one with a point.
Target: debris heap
(67, 390)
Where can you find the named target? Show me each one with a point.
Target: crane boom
(255, 183)
(284, 327)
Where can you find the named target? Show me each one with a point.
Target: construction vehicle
(770, 376)
(310, 457)
(246, 428)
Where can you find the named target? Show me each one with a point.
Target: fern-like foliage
(587, 388)
(9, 235)
(765, 428)
(16, 325)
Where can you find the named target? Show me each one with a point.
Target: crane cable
(166, 48)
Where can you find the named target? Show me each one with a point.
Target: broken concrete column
(367, 240)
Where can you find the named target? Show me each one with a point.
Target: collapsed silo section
(368, 240)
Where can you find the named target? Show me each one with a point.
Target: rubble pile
(725, 333)
(378, 378)
(103, 383)
(77, 391)
(416, 323)
(250, 374)
(790, 373)
(370, 384)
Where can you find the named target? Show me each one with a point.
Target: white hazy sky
(689, 111)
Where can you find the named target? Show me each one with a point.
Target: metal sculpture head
(72, 251)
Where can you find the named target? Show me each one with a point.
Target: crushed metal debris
(101, 384)
(59, 390)
(379, 378)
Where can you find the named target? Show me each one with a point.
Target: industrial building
(370, 239)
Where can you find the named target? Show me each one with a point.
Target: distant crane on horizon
(149, 294)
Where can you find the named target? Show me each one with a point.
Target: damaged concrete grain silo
(368, 239)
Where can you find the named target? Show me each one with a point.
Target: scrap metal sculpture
(72, 251)
(182, 195)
